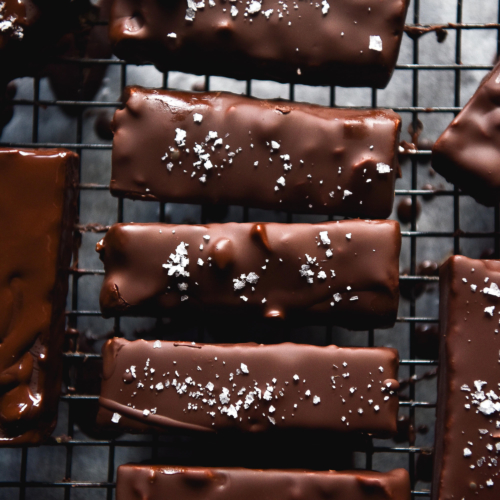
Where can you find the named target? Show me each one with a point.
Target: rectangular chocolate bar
(468, 152)
(468, 416)
(221, 148)
(345, 273)
(37, 215)
(155, 386)
(351, 43)
(156, 482)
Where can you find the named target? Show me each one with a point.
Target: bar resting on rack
(156, 482)
(351, 43)
(345, 273)
(468, 413)
(156, 386)
(221, 148)
(37, 216)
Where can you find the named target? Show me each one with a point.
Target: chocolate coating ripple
(156, 386)
(468, 429)
(351, 43)
(150, 482)
(345, 273)
(37, 214)
(223, 148)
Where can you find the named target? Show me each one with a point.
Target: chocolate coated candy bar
(344, 272)
(37, 213)
(150, 482)
(468, 420)
(30, 30)
(352, 43)
(468, 152)
(224, 148)
(159, 385)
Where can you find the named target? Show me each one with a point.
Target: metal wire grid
(70, 488)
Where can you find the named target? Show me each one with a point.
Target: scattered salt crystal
(375, 43)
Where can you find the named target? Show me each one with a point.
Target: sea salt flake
(116, 418)
(467, 452)
(375, 43)
(244, 369)
(489, 310)
(180, 137)
(254, 7)
(492, 290)
(382, 168)
(324, 238)
(157, 344)
(316, 400)
(325, 7)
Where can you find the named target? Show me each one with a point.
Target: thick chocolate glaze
(30, 31)
(468, 152)
(267, 154)
(351, 43)
(345, 273)
(37, 215)
(467, 429)
(155, 482)
(154, 385)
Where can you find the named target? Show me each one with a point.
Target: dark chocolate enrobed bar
(345, 273)
(468, 152)
(158, 385)
(217, 147)
(155, 482)
(468, 419)
(351, 43)
(37, 214)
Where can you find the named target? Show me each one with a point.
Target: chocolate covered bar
(468, 415)
(351, 43)
(155, 386)
(156, 482)
(30, 30)
(37, 215)
(223, 148)
(345, 273)
(468, 152)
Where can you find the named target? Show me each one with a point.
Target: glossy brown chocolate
(351, 43)
(155, 386)
(468, 423)
(155, 482)
(37, 213)
(468, 152)
(267, 154)
(345, 273)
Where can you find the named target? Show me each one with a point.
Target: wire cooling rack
(427, 90)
